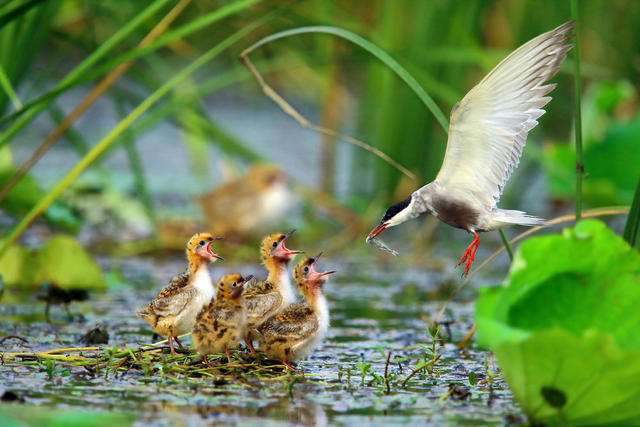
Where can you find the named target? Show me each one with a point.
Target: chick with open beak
(173, 312)
(299, 328)
(266, 298)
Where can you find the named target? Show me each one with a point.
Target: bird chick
(299, 328)
(222, 323)
(265, 298)
(173, 311)
(245, 205)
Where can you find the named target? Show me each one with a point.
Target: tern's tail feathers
(502, 217)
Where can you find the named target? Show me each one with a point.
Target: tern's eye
(202, 242)
(306, 269)
(275, 244)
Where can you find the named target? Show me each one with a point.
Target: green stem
(577, 111)
(23, 116)
(632, 227)
(86, 65)
(76, 140)
(11, 93)
(506, 244)
(365, 44)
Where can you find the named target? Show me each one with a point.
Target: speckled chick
(264, 299)
(173, 312)
(299, 328)
(222, 323)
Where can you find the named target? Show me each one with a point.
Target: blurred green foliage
(611, 153)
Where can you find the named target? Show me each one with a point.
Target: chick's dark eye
(306, 269)
(274, 244)
(235, 284)
(202, 242)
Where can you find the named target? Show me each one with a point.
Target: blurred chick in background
(247, 205)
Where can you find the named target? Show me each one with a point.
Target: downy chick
(173, 312)
(263, 299)
(299, 328)
(222, 323)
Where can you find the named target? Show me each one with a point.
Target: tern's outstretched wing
(489, 126)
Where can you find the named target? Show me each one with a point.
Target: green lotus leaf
(564, 327)
(64, 263)
(13, 266)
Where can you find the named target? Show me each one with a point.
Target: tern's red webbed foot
(470, 253)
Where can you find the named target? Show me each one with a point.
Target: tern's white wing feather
(489, 126)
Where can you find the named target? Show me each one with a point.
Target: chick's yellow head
(200, 245)
(306, 276)
(273, 248)
(231, 285)
(301, 271)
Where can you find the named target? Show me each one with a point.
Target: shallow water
(379, 312)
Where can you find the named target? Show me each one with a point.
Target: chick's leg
(173, 350)
(228, 357)
(249, 344)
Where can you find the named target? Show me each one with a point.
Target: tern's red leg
(181, 347)
(173, 350)
(470, 253)
(289, 367)
(228, 357)
(249, 344)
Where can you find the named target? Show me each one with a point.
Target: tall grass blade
(375, 51)
(577, 109)
(88, 75)
(85, 65)
(95, 93)
(506, 244)
(632, 228)
(180, 32)
(103, 144)
(17, 12)
(77, 142)
(6, 86)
